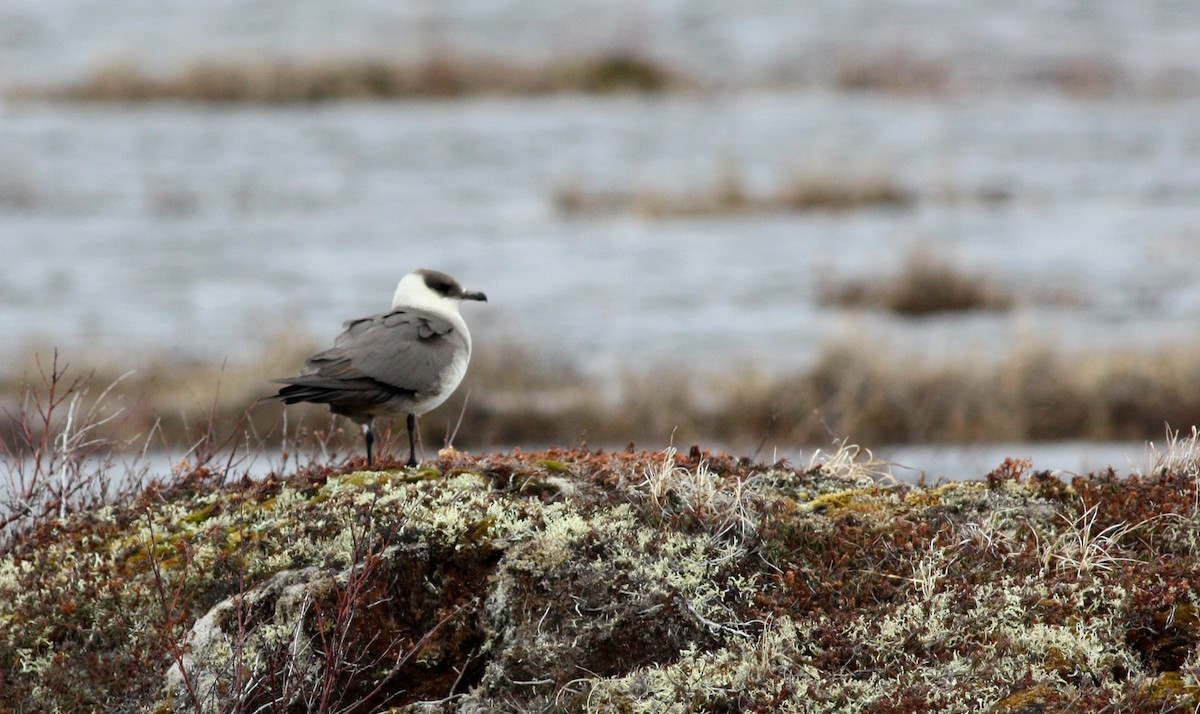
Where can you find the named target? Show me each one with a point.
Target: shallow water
(930, 465)
(1064, 459)
(734, 42)
(203, 231)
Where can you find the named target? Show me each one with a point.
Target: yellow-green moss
(552, 466)
(1025, 700)
(1171, 686)
(854, 501)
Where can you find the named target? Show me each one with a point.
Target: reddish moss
(1163, 621)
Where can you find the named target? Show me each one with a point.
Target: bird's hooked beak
(473, 295)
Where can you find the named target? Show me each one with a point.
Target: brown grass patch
(898, 72)
(276, 81)
(1086, 76)
(729, 195)
(903, 71)
(906, 71)
(447, 73)
(877, 396)
(926, 284)
(866, 392)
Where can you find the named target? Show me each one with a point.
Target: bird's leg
(412, 440)
(369, 437)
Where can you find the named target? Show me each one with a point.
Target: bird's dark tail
(298, 390)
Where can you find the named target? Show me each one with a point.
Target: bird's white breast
(452, 375)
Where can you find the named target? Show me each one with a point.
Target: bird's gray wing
(406, 350)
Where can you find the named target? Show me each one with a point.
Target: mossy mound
(572, 580)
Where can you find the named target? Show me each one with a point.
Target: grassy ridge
(283, 81)
(449, 73)
(862, 391)
(730, 196)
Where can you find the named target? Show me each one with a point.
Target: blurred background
(948, 231)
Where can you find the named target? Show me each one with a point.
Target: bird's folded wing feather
(404, 349)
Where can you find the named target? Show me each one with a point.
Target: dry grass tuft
(446, 73)
(726, 508)
(896, 72)
(926, 284)
(903, 71)
(879, 396)
(1086, 76)
(729, 195)
(1179, 454)
(275, 81)
(851, 463)
(809, 193)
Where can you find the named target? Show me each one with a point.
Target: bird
(405, 361)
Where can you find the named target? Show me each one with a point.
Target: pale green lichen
(759, 670)
(715, 679)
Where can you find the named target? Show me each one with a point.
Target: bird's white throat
(412, 292)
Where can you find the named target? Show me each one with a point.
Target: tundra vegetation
(876, 393)
(577, 580)
(444, 72)
(277, 80)
(587, 580)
